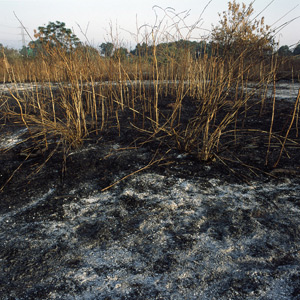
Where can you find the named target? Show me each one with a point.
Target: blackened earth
(179, 228)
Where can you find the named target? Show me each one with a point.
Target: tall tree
(106, 49)
(141, 50)
(296, 51)
(120, 53)
(55, 34)
(284, 51)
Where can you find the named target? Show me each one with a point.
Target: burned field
(170, 172)
(130, 215)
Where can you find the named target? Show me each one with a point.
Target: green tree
(141, 50)
(10, 53)
(55, 34)
(202, 48)
(106, 49)
(120, 53)
(284, 51)
(27, 52)
(296, 51)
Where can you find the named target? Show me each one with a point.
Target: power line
(2, 32)
(2, 25)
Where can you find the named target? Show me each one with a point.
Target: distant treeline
(286, 51)
(167, 50)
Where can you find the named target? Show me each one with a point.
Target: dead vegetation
(76, 93)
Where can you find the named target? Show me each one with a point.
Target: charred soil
(147, 226)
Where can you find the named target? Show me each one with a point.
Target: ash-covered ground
(178, 229)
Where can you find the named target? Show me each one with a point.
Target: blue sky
(125, 15)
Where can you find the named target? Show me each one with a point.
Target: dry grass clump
(76, 93)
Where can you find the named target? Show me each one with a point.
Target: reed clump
(79, 92)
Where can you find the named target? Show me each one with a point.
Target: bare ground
(177, 229)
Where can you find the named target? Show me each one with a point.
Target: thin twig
(151, 163)
(288, 131)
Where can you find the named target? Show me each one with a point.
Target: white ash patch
(165, 237)
(8, 141)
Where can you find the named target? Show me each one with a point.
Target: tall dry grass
(76, 93)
